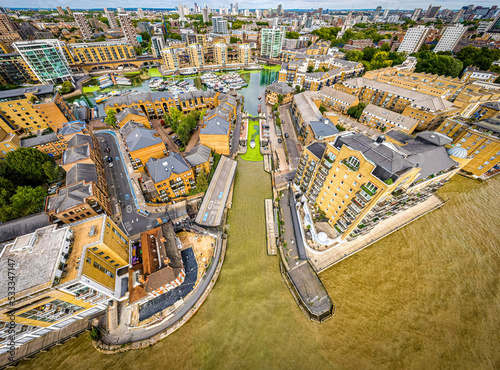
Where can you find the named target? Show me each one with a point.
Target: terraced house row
(357, 181)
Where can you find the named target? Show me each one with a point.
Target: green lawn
(253, 155)
(154, 72)
(273, 68)
(90, 89)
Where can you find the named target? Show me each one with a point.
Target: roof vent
(92, 231)
(380, 139)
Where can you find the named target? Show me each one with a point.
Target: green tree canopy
(292, 35)
(234, 40)
(481, 58)
(201, 182)
(354, 55)
(28, 200)
(66, 87)
(26, 166)
(356, 110)
(430, 62)
(110, 117)
(184, 132)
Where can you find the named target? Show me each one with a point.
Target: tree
(386, 47)
(369, 53)
(234, 40)
(184, 132)
(7, 189)
(26, 166)
(380, 60)
(52, 171)
(292, 35)
(322, 109)
(191, 121)
(280, 99)
(310, 69)
(110, 117)
(201, 182)
(445, 65)
(176, 118)
(145, 36)
(356, 110)
(481, 58)
(28, 200)
(354, 55)
(66, 87)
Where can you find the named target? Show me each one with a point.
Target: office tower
(83, 25)
(204, 12)
(432, 11)
(272, 40)
(235, 8)
(128, 29)
(258, 13)
(247, 13)
(377, 11)
(468, 9)
(111, 19)
(69, 11)
(413, 39)
(417, 14)
(308, 22)
(280, 9)
(450, 38)
(458, 16)
(220, 53)
(140, 13)
(386, 13)
(495, 25)
(219, 25)
(46, 59)
(157, 45)
(60, 10)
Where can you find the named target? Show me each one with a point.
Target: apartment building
(272, 40)
(219, 25)
(337, 100)
(142, 143)
(15, 71)
(413, 40)
(487, 110)
(113, 23)
(196, 55)
(199, 159)
(450, 38)
(76, 276)
(279, 93)
(474, 74)
(131, 114)
(217, 127)
(170, 58)
(383, 119)
(220, 54)
(429, 110)
(480, 140)
(357, 181)
(154, 104)
(244, 54)
(46, 60)
(322, 130)
(8, 143)
(157, 45)
(305, 109)
(9, 30)
(128, 29)
(198, 100)
(82, 53)
(171, 176)
(83, 25)
(32, 109)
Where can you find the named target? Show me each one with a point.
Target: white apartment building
(413, 39)
(83, 25)
(450, 38)
(272, 40)
(219, 25)
(128, 29)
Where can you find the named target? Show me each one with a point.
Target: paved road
(141, 334)
(237, 132)
(291, 141)
(132, 222)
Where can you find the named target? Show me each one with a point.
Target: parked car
(110, 159)
(174, 137)
(110, 164)
(107, 150)
(279, 140)
(286, 135)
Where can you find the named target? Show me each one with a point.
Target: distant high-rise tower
(450, 38)
(69, 11)
(377, 11)
(458, 16)
(417, 14)
(157, 46)
(280, 9)
(204, 12)
(413, 39)
(83, 25)
(128, 29)
(386, 13)
(219, 25)
(111, 19)
(140, 13)
(60, 10)
(272, 40)
(432, 11)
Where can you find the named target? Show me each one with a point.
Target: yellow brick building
(8, 143)
(32, 109)
(244, 54)
(84, 53)
(131, 114)
(171, 58)
(196, 55)
(142, 143)
(279, 93)
(220, 54)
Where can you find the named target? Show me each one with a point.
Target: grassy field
(273, 68)
(90, 89)
(154, 72)
(253, 155)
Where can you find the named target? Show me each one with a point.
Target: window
(353, 162)
(88, 260)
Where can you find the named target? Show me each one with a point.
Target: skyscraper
(83, 25)
(458, 16)
(432, 11)
(272, 40)
(450, 38)
(69, 11)
(280, 9)
(417, 14)
(60, 10)
(140, 13)
(413, 39)
(157, 45)
(204, 12)
(128, 29)
(377, 11)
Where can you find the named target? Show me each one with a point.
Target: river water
(427, 296)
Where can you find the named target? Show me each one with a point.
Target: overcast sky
(248, 4)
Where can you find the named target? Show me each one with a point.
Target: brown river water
(425, 297)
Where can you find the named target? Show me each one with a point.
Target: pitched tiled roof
(140, 138)
(198, 155)
(68, 197)
(161, 169)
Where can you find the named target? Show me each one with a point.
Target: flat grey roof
(161, 169)
(35, 90)
(214, 202)
(24, 225)
(38, 140)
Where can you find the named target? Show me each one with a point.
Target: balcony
(350, 166)
(322, 171)
(327, 164)
(354, 209)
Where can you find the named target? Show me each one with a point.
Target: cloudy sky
(250, 4)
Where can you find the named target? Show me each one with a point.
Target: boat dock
(270, 228)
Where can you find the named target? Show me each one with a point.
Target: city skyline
(252, 4)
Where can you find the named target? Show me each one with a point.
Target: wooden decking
(270, 228)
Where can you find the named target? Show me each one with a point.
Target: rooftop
(71, 128)
(24, 225)
(317, 148)
(140, 138)
(307, 107)
(280, 88)
(161, 169)
(38, 140)
(198, 155)
(21, 93)
(323, 128)
(217, 125)
(80, 172)
(387, 115)
(338, 95)
(36, 257)
(69, 197)
(120, 116)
